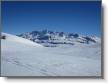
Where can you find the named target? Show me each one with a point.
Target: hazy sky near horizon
(77, 17)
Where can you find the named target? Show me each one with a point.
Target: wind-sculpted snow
(22, 59)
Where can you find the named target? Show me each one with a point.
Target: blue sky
(78, 17)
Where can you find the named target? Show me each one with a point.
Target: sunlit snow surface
(21, 57)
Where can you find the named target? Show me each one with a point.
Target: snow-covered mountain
(53, 39)
(22, 57)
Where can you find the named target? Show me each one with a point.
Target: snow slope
(20, 57)
(13, 38)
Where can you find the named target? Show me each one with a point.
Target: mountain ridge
(54, 38)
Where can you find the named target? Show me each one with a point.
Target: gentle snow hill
(17, 39)
(22, 57)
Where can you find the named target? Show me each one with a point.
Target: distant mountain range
(53, 39)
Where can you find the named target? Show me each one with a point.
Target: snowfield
(22, 57)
